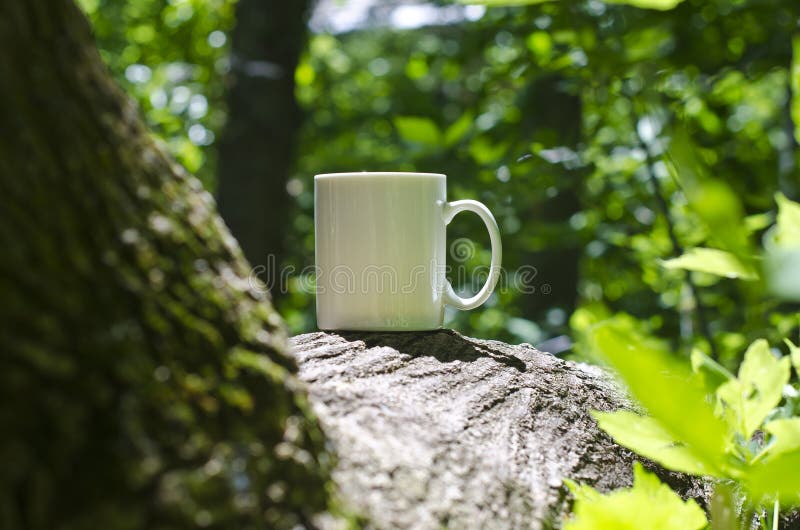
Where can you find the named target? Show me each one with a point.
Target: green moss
(144, 384)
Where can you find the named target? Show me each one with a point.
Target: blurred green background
(562, 117)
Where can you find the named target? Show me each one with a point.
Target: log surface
(436, 430)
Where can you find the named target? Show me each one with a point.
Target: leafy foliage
(725, 446)
(795, 354)
(712, 261)
(648, 504)
(687, 427)
(795, 84)
(649, 438)
(744, 404)
(748, 399)
(171, 56)
(786, 435)
(646, 4)
(782, 251)
(557, 107)
(787, 228)
(418, 130)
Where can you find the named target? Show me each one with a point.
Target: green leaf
(794, 353)
(458, 129)
(786, 432)
(500, 3)
(540, 43)
(648, 438)
(648, 504)
(666, 387)
(724, 505)
(662, 5)
(484, 152)
(776, 477)
(758, 221)
(713, 373)
(712, 199)
(795, 82)
(787, 232)
(713, 261)
(748, 399)
(418, 130)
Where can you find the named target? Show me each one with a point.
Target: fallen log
(436, 430)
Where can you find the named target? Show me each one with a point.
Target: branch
(677, 248)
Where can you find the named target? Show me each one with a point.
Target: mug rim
(363, 174)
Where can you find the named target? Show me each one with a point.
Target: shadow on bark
(445, 345)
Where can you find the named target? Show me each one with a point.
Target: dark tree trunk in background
(144, 381)
(552, 109)
(257, 148)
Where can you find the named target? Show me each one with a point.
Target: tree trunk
(256, 151)
(145, 380)
(552, 116)
(435, 430)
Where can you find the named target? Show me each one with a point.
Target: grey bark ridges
(434, 429)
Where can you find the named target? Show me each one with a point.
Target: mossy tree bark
(257, 148)
(144, 379)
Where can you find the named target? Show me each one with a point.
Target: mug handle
(451, 209)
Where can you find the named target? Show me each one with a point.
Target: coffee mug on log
(381, 251)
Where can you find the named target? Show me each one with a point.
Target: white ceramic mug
(381, 249)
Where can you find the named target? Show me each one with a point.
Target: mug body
(380, 250)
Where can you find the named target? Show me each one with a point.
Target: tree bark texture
(144, 381)
(257, 148)
(435, 430)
